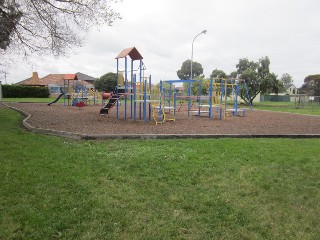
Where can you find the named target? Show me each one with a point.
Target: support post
(170, 95)
(160, 96)
(210, 100)
(140, 90)
(125, 87)
(248, 96)
(131, 96)
(69, 98)
(117, 112)
(134, 97)
(225, 97)
(199, 99)
(189, 99)
(150, 91)
(145, 102)
(235, 104)
(65, 93)
(174, 103)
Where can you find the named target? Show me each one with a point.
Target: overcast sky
(287, 31)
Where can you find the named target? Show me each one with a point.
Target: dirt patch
(87, 121)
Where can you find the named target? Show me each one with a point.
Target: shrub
(18, 91)
(107, 82)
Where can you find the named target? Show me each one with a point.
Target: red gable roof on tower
(132, 52)
(70, 77)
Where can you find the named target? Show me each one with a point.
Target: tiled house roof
(82, 76)
(180, 88)
(25, 82)
(49, 79)
(56, 79)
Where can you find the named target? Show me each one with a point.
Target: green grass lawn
(312, 109)
(32, 100)
(56, 188)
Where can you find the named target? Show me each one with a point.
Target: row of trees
(258, 77)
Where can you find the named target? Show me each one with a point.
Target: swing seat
(236, 112)
(80, 104)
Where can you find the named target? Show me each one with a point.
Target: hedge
(18, 91)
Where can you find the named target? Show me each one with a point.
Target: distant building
(84, 77)
(179, 89)
(55, 82)
(290, 89)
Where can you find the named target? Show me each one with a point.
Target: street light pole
(203, 32)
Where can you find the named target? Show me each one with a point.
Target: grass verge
(311, 109)
(52, 187)
(31, 100)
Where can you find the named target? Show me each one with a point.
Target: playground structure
(140, 101)
(161, 104)
(222, 97)
(135, 91)
(75, 93)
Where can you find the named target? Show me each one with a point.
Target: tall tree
(108, 82)
(200, 87)
(49, 26)
(245, 64)
(277, 85)
(286, 78)
(216, 73)
(184, 72)
(233, 74)
(257, 76)
(311, 85)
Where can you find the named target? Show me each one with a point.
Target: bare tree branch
(50, 26)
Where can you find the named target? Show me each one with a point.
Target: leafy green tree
(257, 76)
(218, 74)
(277, 85)
(286, 78)
(311, 85)
(203, 84)
(184, 72)
(233, 74)
(204, 88)
(245, 64)
(106, 82)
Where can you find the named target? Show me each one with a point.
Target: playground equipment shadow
(85, 123)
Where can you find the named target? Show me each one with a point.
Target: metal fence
(304, 100)
(275, 98)
(294, 101)
(290, 98)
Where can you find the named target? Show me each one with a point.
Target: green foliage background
(106, 82)
(18, 91)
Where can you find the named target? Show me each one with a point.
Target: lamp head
(204, 31)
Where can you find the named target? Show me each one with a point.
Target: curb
(43, 130)
(80, 136)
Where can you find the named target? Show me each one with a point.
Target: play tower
(135, 91)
